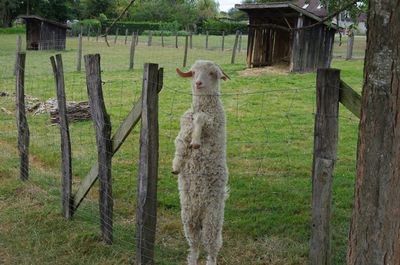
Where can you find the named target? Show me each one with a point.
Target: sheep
(200, 162)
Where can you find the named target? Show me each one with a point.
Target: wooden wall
(44, 36)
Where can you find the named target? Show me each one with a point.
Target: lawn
(270, 141)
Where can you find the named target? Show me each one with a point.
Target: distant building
(272, 38)
(44, 34)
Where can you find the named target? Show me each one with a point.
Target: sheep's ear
(224, 76)
(184, 74)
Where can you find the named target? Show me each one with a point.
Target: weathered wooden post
(176, 39)
(350, 44)
(146, 211)
(132, 52)
(106, 36)
(240, 42)
(206, 39)
(54, 41)
(79, 54)
(88, 34)
(325, 141)
(235, 47)
(191, 39)
(116, 35)
(162, 39)
(137, 37)
(66, 161)
(149, 41)
(223, 41)
(102, 124)
(19, 48)
(186, 51)
(126, 36)
(97, 35)
(22, 123)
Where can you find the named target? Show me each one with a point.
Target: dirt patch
(279, 69)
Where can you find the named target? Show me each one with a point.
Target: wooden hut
(273, 37)
(44, 34)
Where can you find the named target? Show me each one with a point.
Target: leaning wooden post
(19, 48)
(191, 39)
(325, 141)
(206, 39)
(79, 55)
(240, 42)
(146, 210)
(126, 36)
(223, 41)
(162, 39)
(137, 37)
(106, 36)
(350, 44)
(102, 124)
(235, 47)
(66, 162)
(149, 41)
(116, 36)
(176, 39)
(132, 53)
(22, 123)
(186, 51)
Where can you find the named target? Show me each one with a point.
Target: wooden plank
(146, 210)
(22, 123)
(186, 51)
(66, 161)
(79, 54)
(132, 51)
(325, 141)
(235, 47)
(117, 140)
(350, 99)
(102, 124)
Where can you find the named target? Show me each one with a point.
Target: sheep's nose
(198, 83)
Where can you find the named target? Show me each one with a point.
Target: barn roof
(313, 10)
(55, 23)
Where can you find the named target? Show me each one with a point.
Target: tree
(9, 10)
(375, 228)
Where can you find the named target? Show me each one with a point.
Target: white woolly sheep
(200, 162)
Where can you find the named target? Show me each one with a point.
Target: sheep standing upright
(200, 162)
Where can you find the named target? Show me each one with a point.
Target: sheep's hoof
(194, 146)
(175, 172)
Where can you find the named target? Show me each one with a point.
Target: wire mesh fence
(269, 135)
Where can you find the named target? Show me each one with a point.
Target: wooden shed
(274, 39)
(44, 34)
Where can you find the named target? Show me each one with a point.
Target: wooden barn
(273, 38)
(44, 34)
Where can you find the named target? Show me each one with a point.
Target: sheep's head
(205, 77)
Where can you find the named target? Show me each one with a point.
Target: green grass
(270, 142)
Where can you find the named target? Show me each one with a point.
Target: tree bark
(375, 229)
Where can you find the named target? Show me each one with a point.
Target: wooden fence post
(126, 36)
(325, 141)
(150, 38)
(137, 37)
(88, 34)
(79, 55)
(176, 39)
(54, 41)
(223, 40)
(146, 211)
(19, 48)
(97, 35)
(66, 163)
(106, 36)
(206, 39)
(162, 39)
(350, 44)
(116, 35)
(191, 39)
(22, 123)
(240, 42)
(186, 51)
(102, 124)
(132, 53)
(235, 47)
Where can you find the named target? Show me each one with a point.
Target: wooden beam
(350, 99)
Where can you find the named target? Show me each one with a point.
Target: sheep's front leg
(179, 152)
(199, 120)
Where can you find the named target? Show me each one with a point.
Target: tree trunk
(375, 228)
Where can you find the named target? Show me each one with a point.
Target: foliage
(216, 27)
(93, 24)
(132, 26)
(13, 30)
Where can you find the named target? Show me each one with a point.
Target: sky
(225, 5)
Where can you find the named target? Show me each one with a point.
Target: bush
(131, 26)
(215, 27)
(13, 30)
(93, 24)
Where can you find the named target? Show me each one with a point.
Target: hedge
(93, 24)
(13, 30)
(215, 27)
(131, 26)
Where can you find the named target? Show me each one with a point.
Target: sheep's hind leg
(212, 233)
(193, 235)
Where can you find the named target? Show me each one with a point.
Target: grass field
(270, 140)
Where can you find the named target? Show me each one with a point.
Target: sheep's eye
(211, 73)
